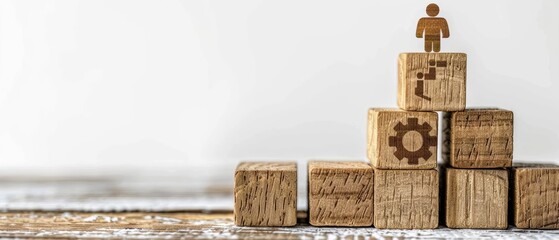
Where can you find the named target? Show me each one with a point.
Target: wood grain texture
(266, 194)
(145, 194)
(406, 199)
(436, 87)
(340, 193)
(129, 204)
(481, 138)
(184, 225)
(120, 190)
(536, 196)
(399, 139)
(476, 198)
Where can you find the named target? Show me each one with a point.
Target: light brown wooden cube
(401, 139)
(406, 199)
(481, 138)
(340, 194)
(432, 81)
(536, 196)
(266, 194)
(476, 198)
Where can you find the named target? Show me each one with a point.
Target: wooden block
(340, 194)
(476, 198)
(536, 196)
(481, 138)
(402, 140)
(266, 194)
(406, 199)
(432, 81)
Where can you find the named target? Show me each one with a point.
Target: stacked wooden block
(340, 194)
(535, 196)
(402, 147)
(480, 144)
(402, 143)
(480, 182)
(403, 187)
(266, 194)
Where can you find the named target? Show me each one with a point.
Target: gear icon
(427, 141)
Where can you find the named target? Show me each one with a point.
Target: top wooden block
(432, 81)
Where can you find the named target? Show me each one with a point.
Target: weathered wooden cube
(406, 199)
(476, 198)
(432, 81)
(481, 138)
(340, 194)
(266, 194)
(401, 139)
(536, 196)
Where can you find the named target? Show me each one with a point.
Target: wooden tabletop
(165, 205)
(184, 225)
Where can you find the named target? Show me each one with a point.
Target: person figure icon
(431, 27)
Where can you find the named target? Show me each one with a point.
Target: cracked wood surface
(477, 198)
(406, 199)
(340, 193)
(536, 196)
(481, 138)
(266, 194)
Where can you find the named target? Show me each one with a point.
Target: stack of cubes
(479, 146)
(477, 151)
(403, 187)
(402, 143)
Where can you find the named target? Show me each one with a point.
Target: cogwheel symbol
(412, 156)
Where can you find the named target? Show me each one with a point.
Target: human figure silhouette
(431, 27)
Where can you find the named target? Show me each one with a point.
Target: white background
(180, 84)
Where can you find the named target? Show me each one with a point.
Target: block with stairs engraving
(432, 81)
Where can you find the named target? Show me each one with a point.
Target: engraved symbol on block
(430, 75)
(412, 155)
(431, 28)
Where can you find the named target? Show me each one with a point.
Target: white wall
(104, 84)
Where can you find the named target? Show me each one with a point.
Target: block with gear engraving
(398, 139)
